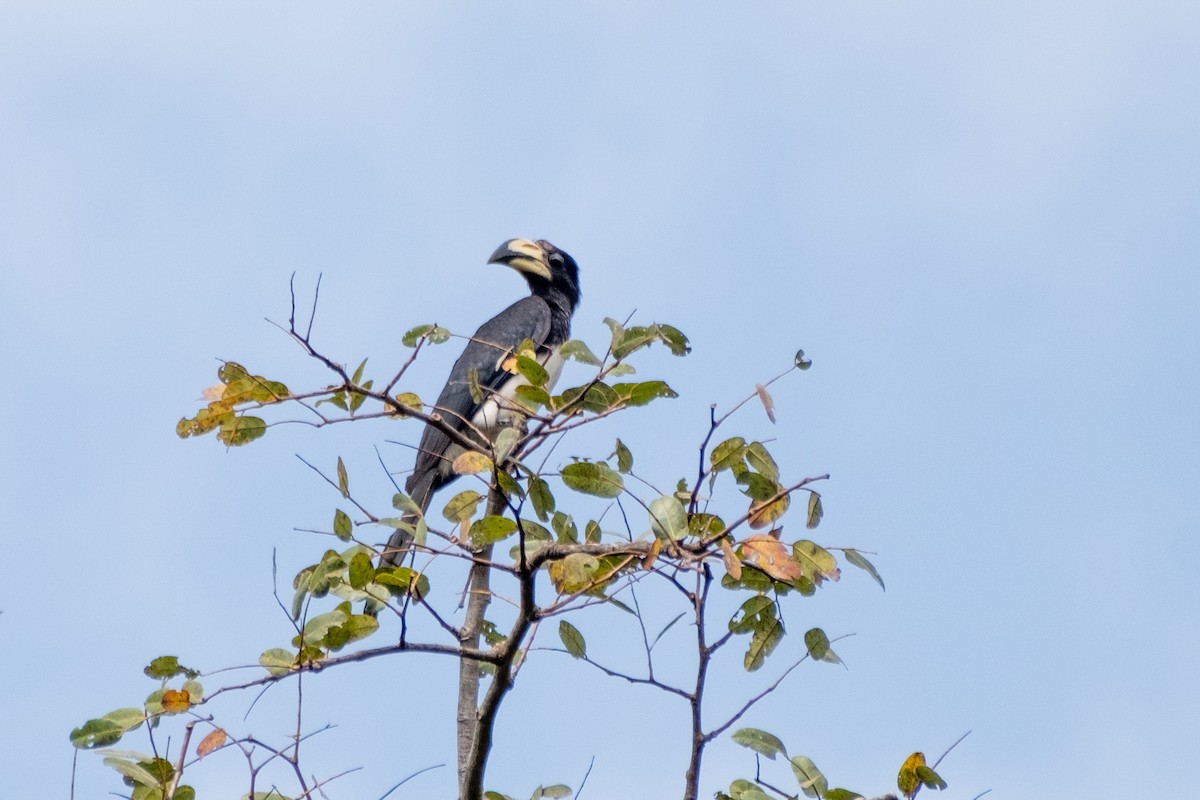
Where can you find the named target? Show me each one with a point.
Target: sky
(978, 220)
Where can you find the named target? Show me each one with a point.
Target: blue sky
(979, 220)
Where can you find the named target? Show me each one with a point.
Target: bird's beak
(523, 256)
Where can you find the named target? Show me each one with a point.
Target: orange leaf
(176, 702)
(648, 561)
(214, 741)
(732, 564)
(772, 557)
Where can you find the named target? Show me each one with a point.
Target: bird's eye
(555, 257)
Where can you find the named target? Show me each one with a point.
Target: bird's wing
(528, 318)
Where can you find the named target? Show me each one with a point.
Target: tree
(517, 532)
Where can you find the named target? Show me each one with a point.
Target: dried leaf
(733, 564)
(210, 743)
(767, 401)
(652, 556)
(772, 557)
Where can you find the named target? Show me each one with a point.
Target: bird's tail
(420, 488)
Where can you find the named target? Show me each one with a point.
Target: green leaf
(818, 563)
(859, 560)
(727, 453)
(594, 478)
(745, 790)
(554, 792)
(930, 778)
(760, 460)
(617, 329)
(492, 529)
(575, 349)
(532, 398)
(316, 628)
(640, 394)
(135, 774)
(705, 526)
(402, 502)
(760, 741)
(543, 499)
(812, 782)
(624, 458)
(358, 398)
(278, 661)
(817, 643)
(592, 533)
(343, 529)
(195, 690)
(758, 487)
(359, 626)
(237, 431)
(509, 485)
(843, 794)
(634, 339)
(667, 519)
(564, 528)
(574, 573)
(753, 613)
(505, 441)
(100, 732)
(166, 667)
(572, 639)
(434, 334)
(343, 478)
(674, 339)
(474, 387)
(462, 506)
(801, 362)
(362, 571)
(767, 635)
(532, 371)
(815, 512)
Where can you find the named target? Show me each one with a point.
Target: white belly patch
(497, 411)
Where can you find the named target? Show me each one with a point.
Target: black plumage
(544, 317)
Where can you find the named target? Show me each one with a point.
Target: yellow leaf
(907, 781)
(764, 512)
(407, 400)
(772, 557)
(176, 702)
(214, 741)
(470, 462)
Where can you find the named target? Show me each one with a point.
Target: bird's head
(545, 267)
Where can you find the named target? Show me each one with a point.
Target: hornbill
(544, 317)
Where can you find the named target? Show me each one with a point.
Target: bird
(544, 318)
